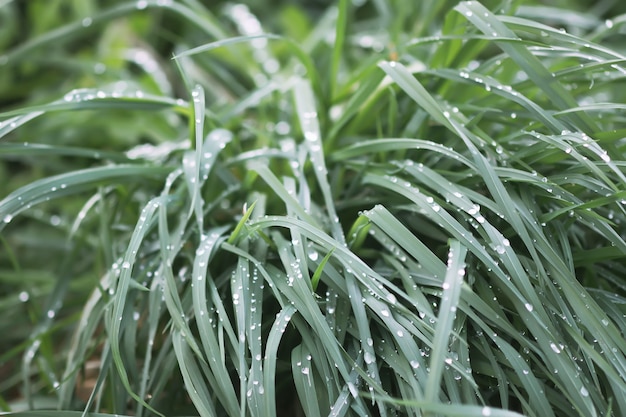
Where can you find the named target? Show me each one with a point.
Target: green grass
(312, 208)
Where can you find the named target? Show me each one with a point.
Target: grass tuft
(312, 209)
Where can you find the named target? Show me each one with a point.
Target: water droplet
(555, 348)
(468, 13)
(486, 411)
(608, 23)
(282, 128)
(7, 218)
(584, 392)
(51, 314)
(99, 68)
(271, 66)
(86, 22)
(528, 306)
(24, 296)
(141, 4)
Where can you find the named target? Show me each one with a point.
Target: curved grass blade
(271, 180)
(235, 235)
(204, 318)
(100, 98)
(304, 379)
(12, 150)
(9, 125)
(315, 279)
(74, 182)
(119, 308)
(225, 42)
(64, 413)
(307, 115)
(489, 24)
(391, 144)
(271, 355)
(447, 312)
(194, 382)
(296, 49)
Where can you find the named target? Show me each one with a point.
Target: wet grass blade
(447, 311)
(57, 186)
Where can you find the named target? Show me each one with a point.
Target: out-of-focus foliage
(312, 208)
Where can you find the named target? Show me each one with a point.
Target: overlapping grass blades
(424, 221)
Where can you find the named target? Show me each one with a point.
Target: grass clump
(328, 210)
